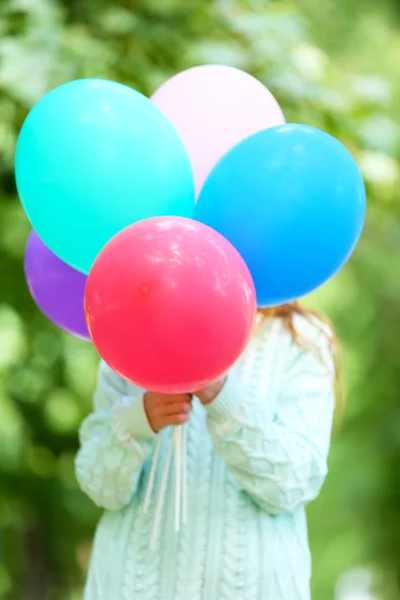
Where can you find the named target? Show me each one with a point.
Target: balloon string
(178, 449)
(161, 498)
(184, 473)
(178, 475)
(154, 465)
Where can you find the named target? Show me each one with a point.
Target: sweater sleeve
(280, 461)
(115, 440)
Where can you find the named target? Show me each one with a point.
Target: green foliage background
(332, 64)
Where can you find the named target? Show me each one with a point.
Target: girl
(257, 454)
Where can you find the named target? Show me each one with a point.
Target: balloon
(291, 200)
(95, 156)
(214, 107)
(170, 305)
(57, 289)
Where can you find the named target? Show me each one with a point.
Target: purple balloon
(57, 288)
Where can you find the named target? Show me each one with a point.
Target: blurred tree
(309, 55)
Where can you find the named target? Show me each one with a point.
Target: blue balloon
(291, 199)
(93, 157)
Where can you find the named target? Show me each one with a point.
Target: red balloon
(170, 305)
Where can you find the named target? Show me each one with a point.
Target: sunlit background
(332, 64)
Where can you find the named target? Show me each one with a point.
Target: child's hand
(209, 394)
(163, 410)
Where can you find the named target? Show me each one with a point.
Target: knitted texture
(256, 456)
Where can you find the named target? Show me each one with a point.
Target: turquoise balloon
(93, 157)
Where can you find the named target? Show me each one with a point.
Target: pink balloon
(170, 304)
(215, 107)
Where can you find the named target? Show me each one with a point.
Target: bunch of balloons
(172, 217)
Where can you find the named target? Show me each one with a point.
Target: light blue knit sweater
(256, 456)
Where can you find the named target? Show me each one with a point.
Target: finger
(175, 420)
(174, 398)
(177, 408)
(165, 407)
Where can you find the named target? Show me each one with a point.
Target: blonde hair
(287, 313)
